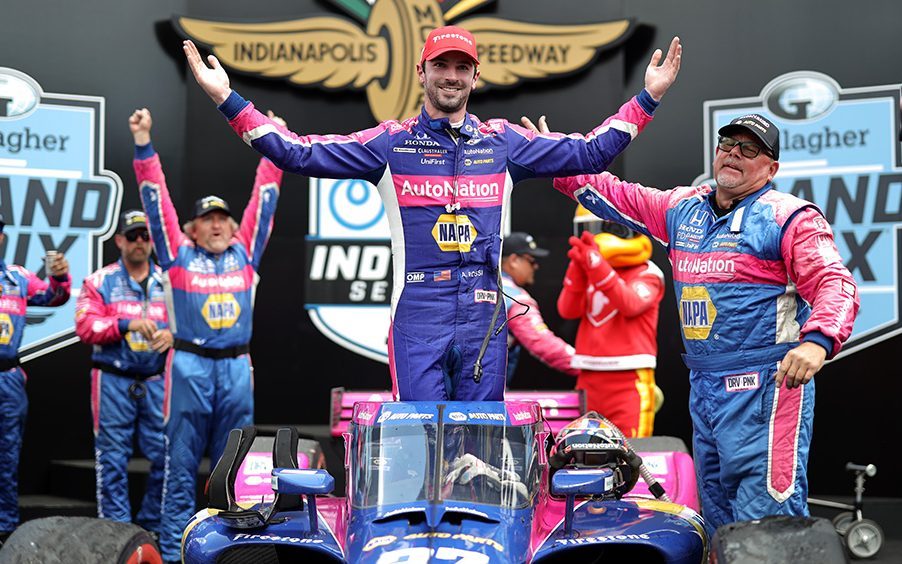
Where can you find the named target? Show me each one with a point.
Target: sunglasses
(133, 236)
(749, 149)
(528, 258)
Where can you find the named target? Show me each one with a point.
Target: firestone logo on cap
(438, 38)
(449, 38)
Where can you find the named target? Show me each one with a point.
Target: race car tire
(778, 538)
(64, 540)
(659, 444)
(864, 538)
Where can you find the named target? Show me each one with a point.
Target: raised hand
(140, 123)
(528, 124)
(60, 266)
(214, 81)
(659, 77)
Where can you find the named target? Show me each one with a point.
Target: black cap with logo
(130, 220)
(520, 243)
(760, 127)
(209, 204)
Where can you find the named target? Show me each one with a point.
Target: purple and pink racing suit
(750, 285)
(446, 189)
(528, 330)
(126, 386)
(208, 377)
(19, 288)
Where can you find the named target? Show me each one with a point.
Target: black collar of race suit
(467, 129)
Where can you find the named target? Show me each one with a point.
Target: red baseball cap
(449, 38)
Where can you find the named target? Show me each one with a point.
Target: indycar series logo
(839, 148)
(54, 194)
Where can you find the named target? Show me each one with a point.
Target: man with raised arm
(445, 179)
(764, 300)
(210, 275)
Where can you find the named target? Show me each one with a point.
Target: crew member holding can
(19, 288)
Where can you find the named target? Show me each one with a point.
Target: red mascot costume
(615, 290)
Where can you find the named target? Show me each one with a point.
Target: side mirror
(582, 482)
(310, 483)
(292, 481)
(571, 483)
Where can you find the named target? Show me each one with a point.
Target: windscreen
(488, 464)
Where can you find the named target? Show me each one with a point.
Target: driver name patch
(485, 296)
(741, 382)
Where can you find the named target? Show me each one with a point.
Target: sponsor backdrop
(341, 65)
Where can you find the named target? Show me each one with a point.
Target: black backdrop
(129, 53)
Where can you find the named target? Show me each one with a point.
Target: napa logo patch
(137, 342)
(54, 194)
(697, 312)
(839, 148)
(221, 311)
(454, 233)
(6, 329)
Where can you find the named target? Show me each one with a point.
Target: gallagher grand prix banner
(839, 148)
(54, 194)
(348, 290)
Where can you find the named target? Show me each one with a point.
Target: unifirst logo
(454, 232)
(697, 312)
(221, 311)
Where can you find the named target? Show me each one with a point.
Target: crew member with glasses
(122, 313)
(763, 299)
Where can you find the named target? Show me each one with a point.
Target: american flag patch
(441, 276)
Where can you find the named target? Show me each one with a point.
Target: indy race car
(463, 482)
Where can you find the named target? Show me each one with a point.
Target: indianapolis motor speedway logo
(348, 288)
(54, 193)
(839, 148)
